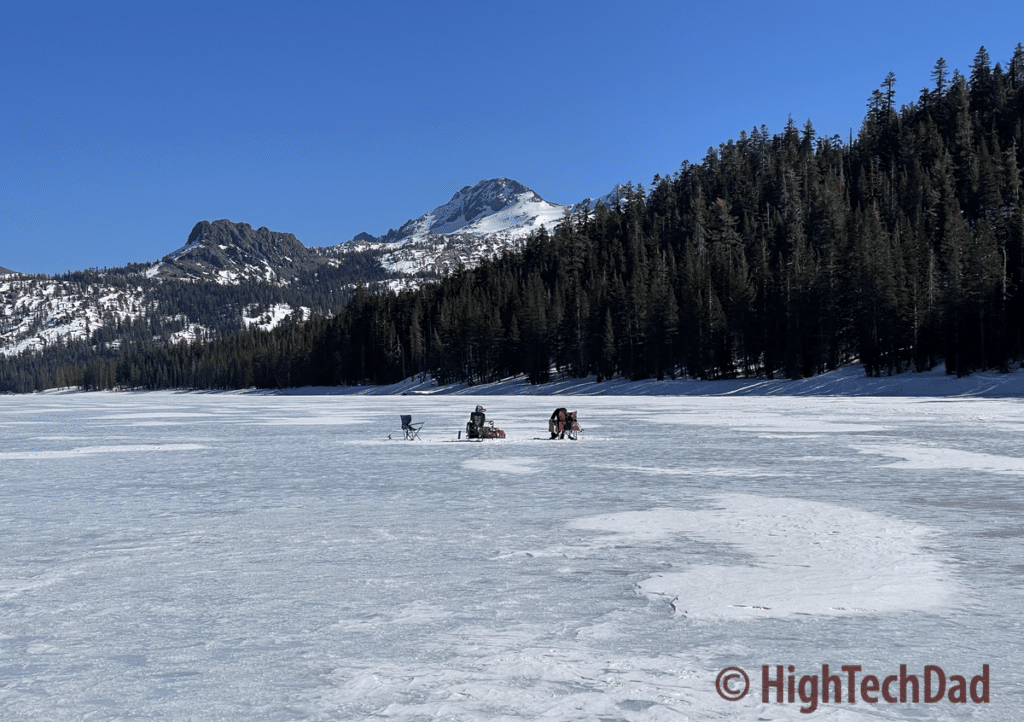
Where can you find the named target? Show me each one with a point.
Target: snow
(178, 253)
(522, 208)
(526, 215)
(49, 313)
(191, 333)
(847, 381)
(272, 317)
(463, 231)
(248, 556)
(804, 557)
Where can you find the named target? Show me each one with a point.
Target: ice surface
(796, 557)
(241, 557)
(80, 450)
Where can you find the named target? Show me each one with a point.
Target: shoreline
(847, 381)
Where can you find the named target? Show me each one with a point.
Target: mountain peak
(225, 232)
(230, 252)
(480, 221)
(493, 187)
(614, 199)
(500, 203)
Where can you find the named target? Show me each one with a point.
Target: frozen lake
(242, 557)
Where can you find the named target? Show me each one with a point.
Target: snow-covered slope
(36, 314)
(479, 222)
(491, 206)
(41, 313)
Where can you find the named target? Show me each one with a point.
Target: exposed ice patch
(333, 420)
(762, 422)
(797, 557)
(921, 457)
(695, 471)
(83, 450)
(507, 465)
(420, 612)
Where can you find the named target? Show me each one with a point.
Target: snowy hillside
(226, 277)
(478, 223)
(491, 206)
(37, 314)
(846, 381)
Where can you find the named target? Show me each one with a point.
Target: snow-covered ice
(240, 556)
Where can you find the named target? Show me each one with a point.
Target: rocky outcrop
(229, 252)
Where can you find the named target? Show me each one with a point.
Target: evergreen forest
(784, 255)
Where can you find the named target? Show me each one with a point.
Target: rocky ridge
(266, 277)
(230, 253)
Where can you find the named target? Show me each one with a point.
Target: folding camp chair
(412, 431)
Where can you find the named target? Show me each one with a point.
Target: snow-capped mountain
(491, 206)
(613, 199)
(479, 222)
(6, 271)
(226, 277)
(240, 277)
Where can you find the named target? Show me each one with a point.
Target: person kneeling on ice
(563, 423)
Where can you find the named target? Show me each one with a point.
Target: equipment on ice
(479, 428)
(563, 423)
(412, 431)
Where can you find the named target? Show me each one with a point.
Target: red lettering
(826, 680)
(809, 696)
(869, 684)
(904, 678)
(851, 670)
(983, 678)
(766, 683)
(885, 689)
(958, 690)
(930, 669)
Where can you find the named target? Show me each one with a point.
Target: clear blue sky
(122, 125)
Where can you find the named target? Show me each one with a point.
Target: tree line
(781, 255)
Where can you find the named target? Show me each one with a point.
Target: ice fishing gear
(563, 424)
(478, 427)
(412, 430)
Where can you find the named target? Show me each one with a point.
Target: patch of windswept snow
(847, 381)
(272, 317)
(802, 558)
